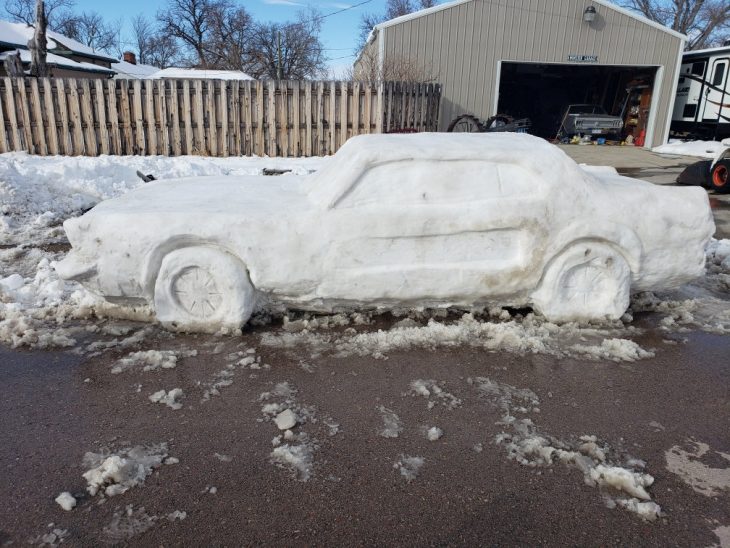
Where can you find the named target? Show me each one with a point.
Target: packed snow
(409, 466)
(452, 229)
(701, 149)
(39, 310)
(293, 451)
(434, 433)
(150, 360)
(66, 501)
(703, 478)
(526, 444)
(115, 473)
(392, 425)
(170, 399)
(54, 538)
(528, 334)
(37, 193)
(433, 392)
(127, 523)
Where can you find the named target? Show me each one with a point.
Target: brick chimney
(130, 57)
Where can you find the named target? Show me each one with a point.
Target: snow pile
(434, 433)
(55, 537)
(242, 359)
(409, 467)
(128, 523)
(530, 334)
(170, 399)
(66, 501)
(616, 350)
(701, 149)
(392, 425)
(702, 477)
(151, 360)
(38, 193)
(433, 392)
(37, 308)
(297, 458)
(310, 322)
(701, 304)
(525, 444)
(115, 473)
(293, 451)
(177, 515)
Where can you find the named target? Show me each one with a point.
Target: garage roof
(605, 3)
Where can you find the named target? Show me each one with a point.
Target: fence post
(3, 137)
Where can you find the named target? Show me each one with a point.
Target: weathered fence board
(210, 117)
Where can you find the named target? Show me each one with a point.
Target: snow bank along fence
(205, 117)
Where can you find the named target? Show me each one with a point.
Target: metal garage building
(533, 57)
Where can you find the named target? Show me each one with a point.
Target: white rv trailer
(702, 106)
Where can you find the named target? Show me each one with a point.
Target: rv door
(717, 95)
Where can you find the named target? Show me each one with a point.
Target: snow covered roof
(18, 34)
(605, 3)
(191, 73)
(131, 70)
(59, 61)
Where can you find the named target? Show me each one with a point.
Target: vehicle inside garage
(542, 92)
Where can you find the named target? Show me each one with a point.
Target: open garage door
(542, 92)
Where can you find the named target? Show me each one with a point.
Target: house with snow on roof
(129, 69)
(176, 73)
(66, 58)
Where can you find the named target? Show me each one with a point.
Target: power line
(341, 10)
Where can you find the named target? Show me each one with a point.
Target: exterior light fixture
(589, 14)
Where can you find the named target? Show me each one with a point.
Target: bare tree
(292, 51)
(189, 22)
(394, 68)
(154, 46)
(705, 22)
(143, 30)
(163, 51)
(393, 9)
(37, 45)
(230, 42)
(91, 29)
(23, 11)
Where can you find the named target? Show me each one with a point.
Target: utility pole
(278, 55)
(37, 45)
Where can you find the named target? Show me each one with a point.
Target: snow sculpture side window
(423, 183)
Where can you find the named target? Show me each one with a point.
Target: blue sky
(339, 32)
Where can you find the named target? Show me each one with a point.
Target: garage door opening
(542, 92)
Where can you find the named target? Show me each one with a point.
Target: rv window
(719, 75)
(689, 111)
(698, 68)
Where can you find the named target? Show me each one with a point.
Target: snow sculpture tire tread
(587, 281)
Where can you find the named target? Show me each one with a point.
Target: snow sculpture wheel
(202, 289)
(587, 281)
(720, 176)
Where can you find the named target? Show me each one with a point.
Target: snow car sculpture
(395, 220)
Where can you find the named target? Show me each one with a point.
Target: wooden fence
(205, 117)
